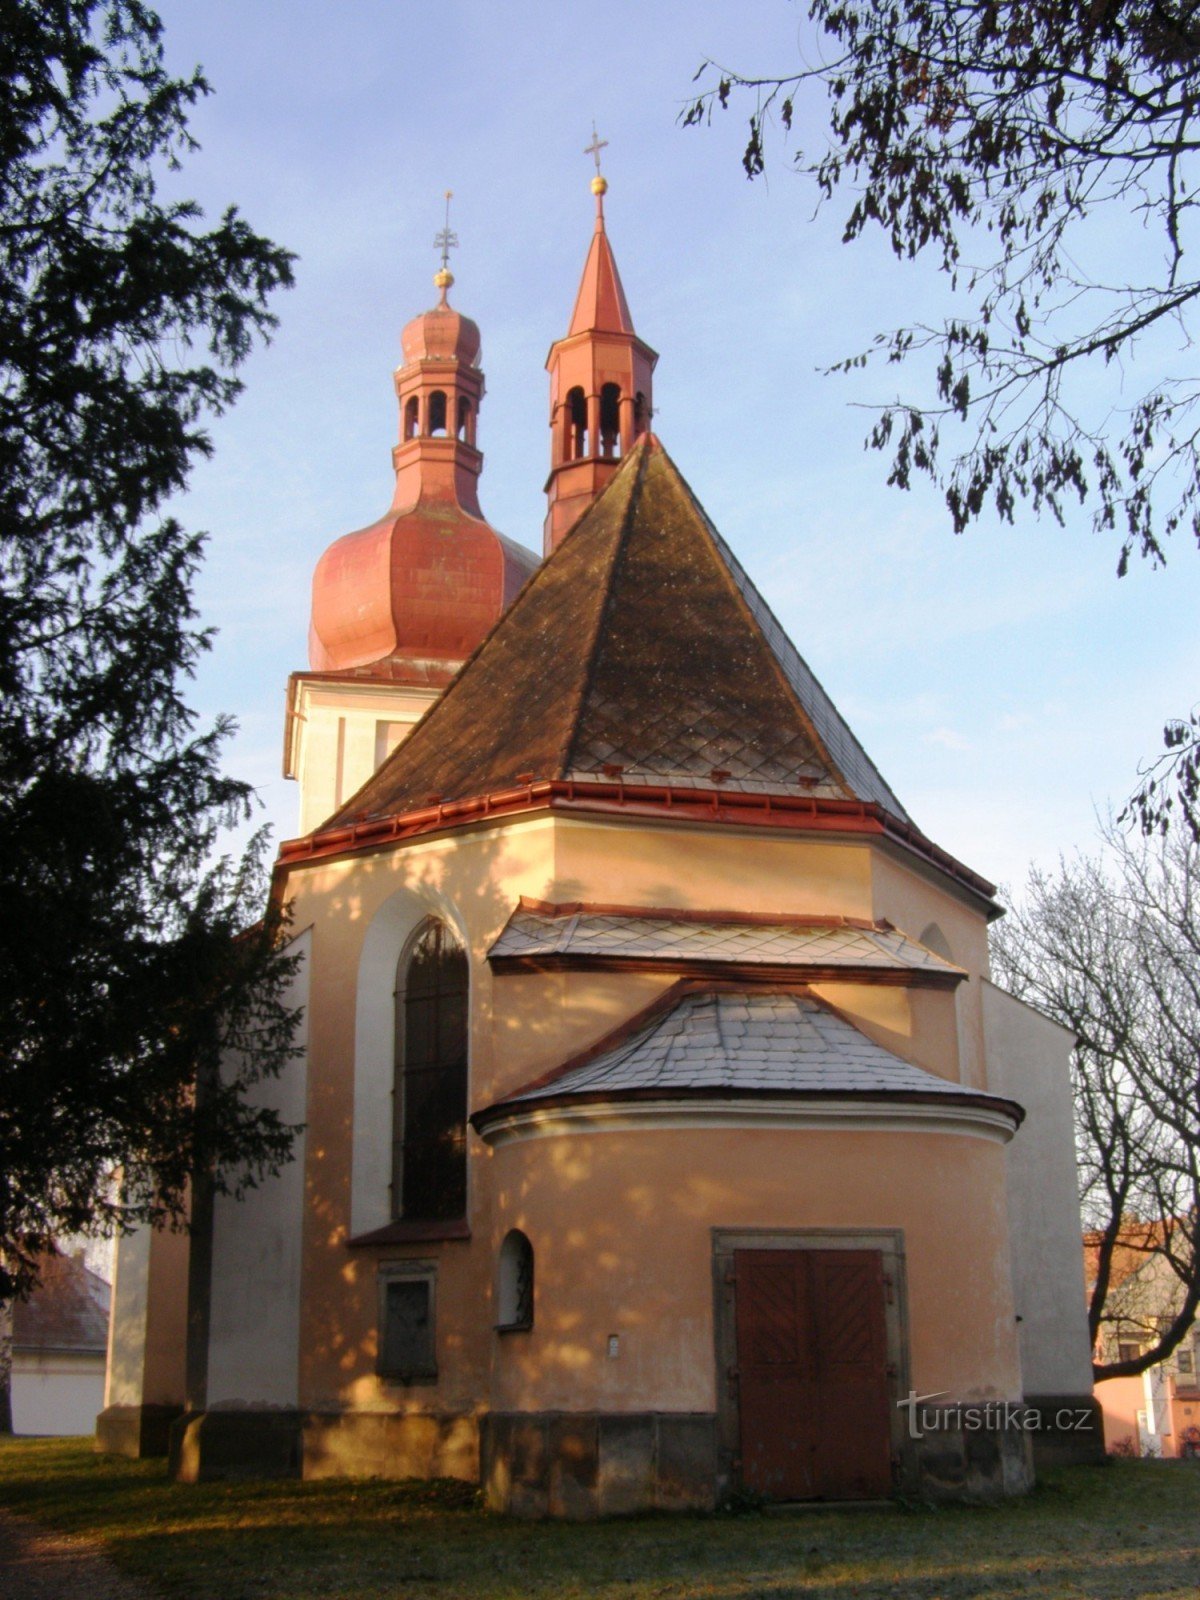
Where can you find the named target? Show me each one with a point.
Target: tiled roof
(633, 934)
(1136, 1244)
(639, 648)
(740, 1041)
(67, 1311)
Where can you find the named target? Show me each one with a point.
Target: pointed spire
(600, 305)
(600, 375)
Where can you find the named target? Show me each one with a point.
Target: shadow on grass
(1132, 1529)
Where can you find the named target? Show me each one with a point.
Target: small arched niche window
(411, 418)
(934, 939)
(429, 1133)
(514, 1289)
(610, 420)
(576, 424)
(464, 429)
(437, 411)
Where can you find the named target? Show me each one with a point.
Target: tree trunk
(6, 1328)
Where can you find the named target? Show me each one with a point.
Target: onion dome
(410, 596)
(441, 334)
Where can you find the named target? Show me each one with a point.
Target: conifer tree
(129, 962)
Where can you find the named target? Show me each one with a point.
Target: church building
(663, 1136)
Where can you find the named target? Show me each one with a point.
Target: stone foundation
(583, 1464)
(250, 1443)
(208, 1445)
(136, 1431)
(382, 1445)
(579, 1465)
(1071, 1431)
(969, 1453)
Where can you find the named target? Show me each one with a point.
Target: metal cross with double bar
(447, 240)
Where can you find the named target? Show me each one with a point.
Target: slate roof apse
(641, 648)
(735, 1041)
(635, 934)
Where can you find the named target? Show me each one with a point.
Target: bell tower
(399, 605)
(601, 398)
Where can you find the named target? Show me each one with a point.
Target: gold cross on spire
(595, 147)
(445, 241)
(599, 182)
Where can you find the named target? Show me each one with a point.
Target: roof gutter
(793, 813)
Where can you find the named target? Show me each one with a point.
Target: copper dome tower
(412, 594)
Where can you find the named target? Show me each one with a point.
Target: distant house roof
(639, 648)
(579, 934)
(67, 1311)
(1137, 1244)
(705, 1039)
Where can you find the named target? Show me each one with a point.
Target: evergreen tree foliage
(128, 962)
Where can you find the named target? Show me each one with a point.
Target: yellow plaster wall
(621, 1225)
(919, 1025)
(521, 1025)
(336, 743)
(542, 1018)
(718, 868)
(474, 880)
(912, 900)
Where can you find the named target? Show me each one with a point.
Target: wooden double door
(814, 1397)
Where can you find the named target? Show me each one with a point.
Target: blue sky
(1005, 682)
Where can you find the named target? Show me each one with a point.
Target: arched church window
(610, 420)
(514, 1290)
(576, 424)
(639, 414)
(437, 411)
(429, 1139)
(411, 418)
(464, 418)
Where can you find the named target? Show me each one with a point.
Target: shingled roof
(706, 1039)
(639, 648)
(541, 935)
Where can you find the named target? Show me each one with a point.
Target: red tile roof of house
(67, 1311)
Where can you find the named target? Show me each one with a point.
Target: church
(664, 1140)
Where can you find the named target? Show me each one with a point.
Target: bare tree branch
(1109, 947)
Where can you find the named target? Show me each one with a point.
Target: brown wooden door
(814, 1406)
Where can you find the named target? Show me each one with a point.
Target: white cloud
(948, 738)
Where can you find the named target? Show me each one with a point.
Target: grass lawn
(1128, 1529)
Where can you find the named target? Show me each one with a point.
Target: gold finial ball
(599, 185)
(443, 278)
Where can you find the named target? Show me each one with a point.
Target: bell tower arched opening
(610, 420)
(577, 428)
